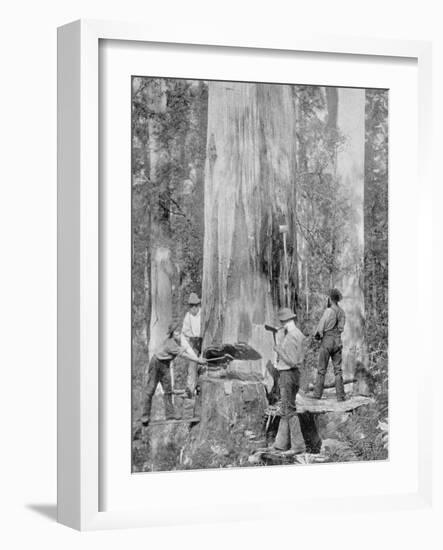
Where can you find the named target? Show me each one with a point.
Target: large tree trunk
(249, 193)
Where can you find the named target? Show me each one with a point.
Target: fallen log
(328, 403)
(308, 411)
(331, 385)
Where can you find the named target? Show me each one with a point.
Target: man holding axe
(159, 371)
(290, 356)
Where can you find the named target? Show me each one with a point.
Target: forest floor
(346, 436)
(359, 435)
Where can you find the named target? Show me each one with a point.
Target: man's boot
(318, 389)
(339, 388)
(282, 440)
(297, 439)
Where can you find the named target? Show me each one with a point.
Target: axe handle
(225, 356)
(274, 331)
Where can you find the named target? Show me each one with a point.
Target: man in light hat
(159, 371)
(290, 356)
(329, 331)
(191, 336)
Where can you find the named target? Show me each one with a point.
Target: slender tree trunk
(161, 268)
(147, 292)
(350, 171)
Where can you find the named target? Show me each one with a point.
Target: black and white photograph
(222, 261)
(259, 274)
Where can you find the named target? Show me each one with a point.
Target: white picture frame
(79, 368)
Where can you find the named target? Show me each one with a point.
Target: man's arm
(194, 359)
(281, 352)
(184, 351)
(321, 324)
(320, 330)
(288, 350)
(187, 347)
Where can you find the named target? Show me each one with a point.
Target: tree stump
(231, 422)
(228, 404)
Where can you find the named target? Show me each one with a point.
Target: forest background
(172, 154)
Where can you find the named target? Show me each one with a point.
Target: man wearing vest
(290, 356)
(159, 371)
(329, 331)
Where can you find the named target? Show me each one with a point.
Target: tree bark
(350, 170)
(249, 192)
(161, 267)
(161, 296)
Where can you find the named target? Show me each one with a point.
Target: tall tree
(329, 209)
(376, 230)
(350, 172)
(249, 193)
(169, 140)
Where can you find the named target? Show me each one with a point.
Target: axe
(274, 331)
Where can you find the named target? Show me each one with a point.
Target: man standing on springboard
(329, 331)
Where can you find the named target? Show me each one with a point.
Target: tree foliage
(324, 214)
(169, 118)
(376, 234)
(169, 124)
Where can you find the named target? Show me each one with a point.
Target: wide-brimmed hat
(194, 300)
(286, 314)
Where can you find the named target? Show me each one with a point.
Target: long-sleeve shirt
(169, 350)
(184, 342)
(333, 318)
(191, 325)
(291, 350)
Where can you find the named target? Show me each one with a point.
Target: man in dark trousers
(290, 356)
(159, 370)
(329, 331)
